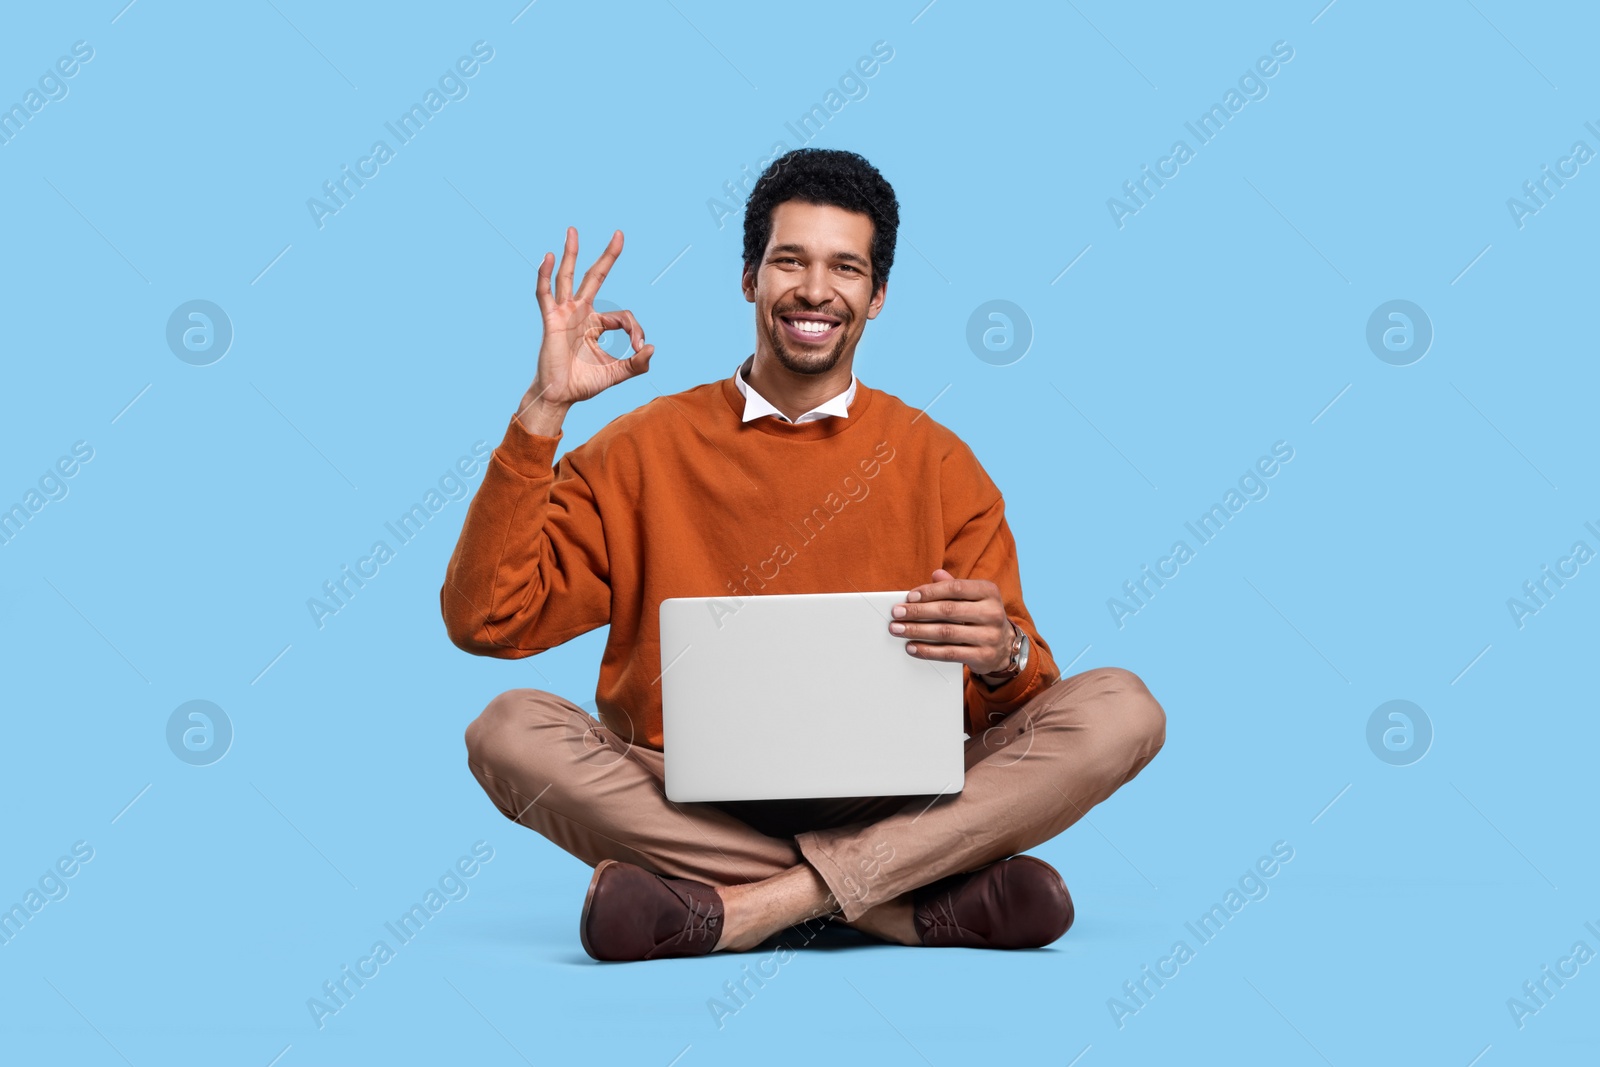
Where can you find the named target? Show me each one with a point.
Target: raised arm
(529, 570)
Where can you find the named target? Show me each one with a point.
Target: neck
(791, 393)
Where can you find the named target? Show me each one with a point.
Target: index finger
(541, 289)
(602, 266)
(954, 589)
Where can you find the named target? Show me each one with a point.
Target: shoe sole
(588, 903)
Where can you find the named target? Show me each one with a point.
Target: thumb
(942, 575)
(639, 362)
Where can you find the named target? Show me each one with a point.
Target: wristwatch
(1019, 659)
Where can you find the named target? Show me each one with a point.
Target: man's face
(813, 287)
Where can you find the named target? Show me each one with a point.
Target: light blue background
(1227, 315)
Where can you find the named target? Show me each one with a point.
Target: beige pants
(549, 766)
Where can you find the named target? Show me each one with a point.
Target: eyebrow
(849, 257)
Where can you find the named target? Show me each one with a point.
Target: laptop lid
(803, 695)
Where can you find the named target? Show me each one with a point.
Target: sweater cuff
(528, 454)
(1010, 691)
(1007, 697)
(1007, 691)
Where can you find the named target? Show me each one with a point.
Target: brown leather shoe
(1020, 902)
(630, 913)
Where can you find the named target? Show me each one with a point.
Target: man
(790, 476)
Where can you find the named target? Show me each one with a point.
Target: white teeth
(810, 326)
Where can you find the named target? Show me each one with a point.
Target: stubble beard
(805, 362)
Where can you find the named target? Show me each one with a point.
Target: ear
(747, 282)
(876, 304)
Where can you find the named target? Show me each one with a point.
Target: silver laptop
(804, 695)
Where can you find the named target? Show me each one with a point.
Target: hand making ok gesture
(572, 365)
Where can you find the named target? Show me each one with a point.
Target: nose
(815, 286)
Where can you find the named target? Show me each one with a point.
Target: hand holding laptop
(960, 620)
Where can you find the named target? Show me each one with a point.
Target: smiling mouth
(810, 329)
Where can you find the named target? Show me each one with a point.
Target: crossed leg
(548, 766)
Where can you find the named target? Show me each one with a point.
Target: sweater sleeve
(982, 547)
(530, 569)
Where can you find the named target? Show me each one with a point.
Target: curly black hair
(828, 176)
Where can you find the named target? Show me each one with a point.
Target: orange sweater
(681, 498)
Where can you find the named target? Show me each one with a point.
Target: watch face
(1022, 654)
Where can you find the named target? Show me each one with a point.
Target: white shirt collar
(756, 405)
